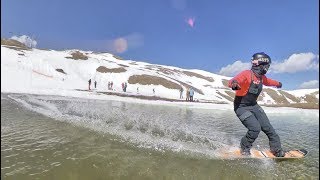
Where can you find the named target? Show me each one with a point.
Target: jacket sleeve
(240, 78)
(269, 82)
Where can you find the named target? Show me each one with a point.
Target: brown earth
(296, 105)
(155, 80)
(103, 69)
(61, 71)
(77, 55)
(14, 44)
(187, 85)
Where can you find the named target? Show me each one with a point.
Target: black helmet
(260, 58)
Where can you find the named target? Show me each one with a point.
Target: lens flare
(120, 45)
(190, 22)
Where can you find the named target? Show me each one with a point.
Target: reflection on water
(50, 137)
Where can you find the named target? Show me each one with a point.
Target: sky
(216, 36)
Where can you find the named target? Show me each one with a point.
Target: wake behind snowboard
(235, 153)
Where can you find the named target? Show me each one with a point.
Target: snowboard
(235, 153)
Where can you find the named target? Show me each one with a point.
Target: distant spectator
(137, 89)
(153, 91)
(191, 94)
(125, 87)
(122, 85)
(181, 91)
(111, 85)
(187, 95)
(89, 84)
(95, 84)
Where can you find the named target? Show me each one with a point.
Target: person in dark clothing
(248, 86)
(89, 84)
(95, 84)
(125, 87)
(191, 92)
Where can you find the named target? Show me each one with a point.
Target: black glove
(235, 85)
(280, 85)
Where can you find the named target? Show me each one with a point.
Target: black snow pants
(255, 119)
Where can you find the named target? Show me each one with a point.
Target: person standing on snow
(191, 91)
(181, 91)
(188, 94)
(95, 84)
(248, 86)
(125, 87)
(89, 83)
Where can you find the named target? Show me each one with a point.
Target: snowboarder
(248, 86)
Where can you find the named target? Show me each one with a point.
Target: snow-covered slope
(53, 72)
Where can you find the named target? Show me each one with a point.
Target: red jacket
(244, 80)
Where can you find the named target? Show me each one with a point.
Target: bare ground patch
(44, 49)
(311, 99)
(155, 80)
(210, 79)
(279, 99)
(208, 85)
(123, 65)
(117, 57)
(186, 85)
(225, 96)
(103, 69)
(14, 44)
(108, 61)
(152, 97)
(168, 71)
(290, 96)
(315, 93)
(230, 93)
(77, 55)
(142, 97)
(133, 63)
(297, 105)
(61, 71)
(225, 82)
(190, 86)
